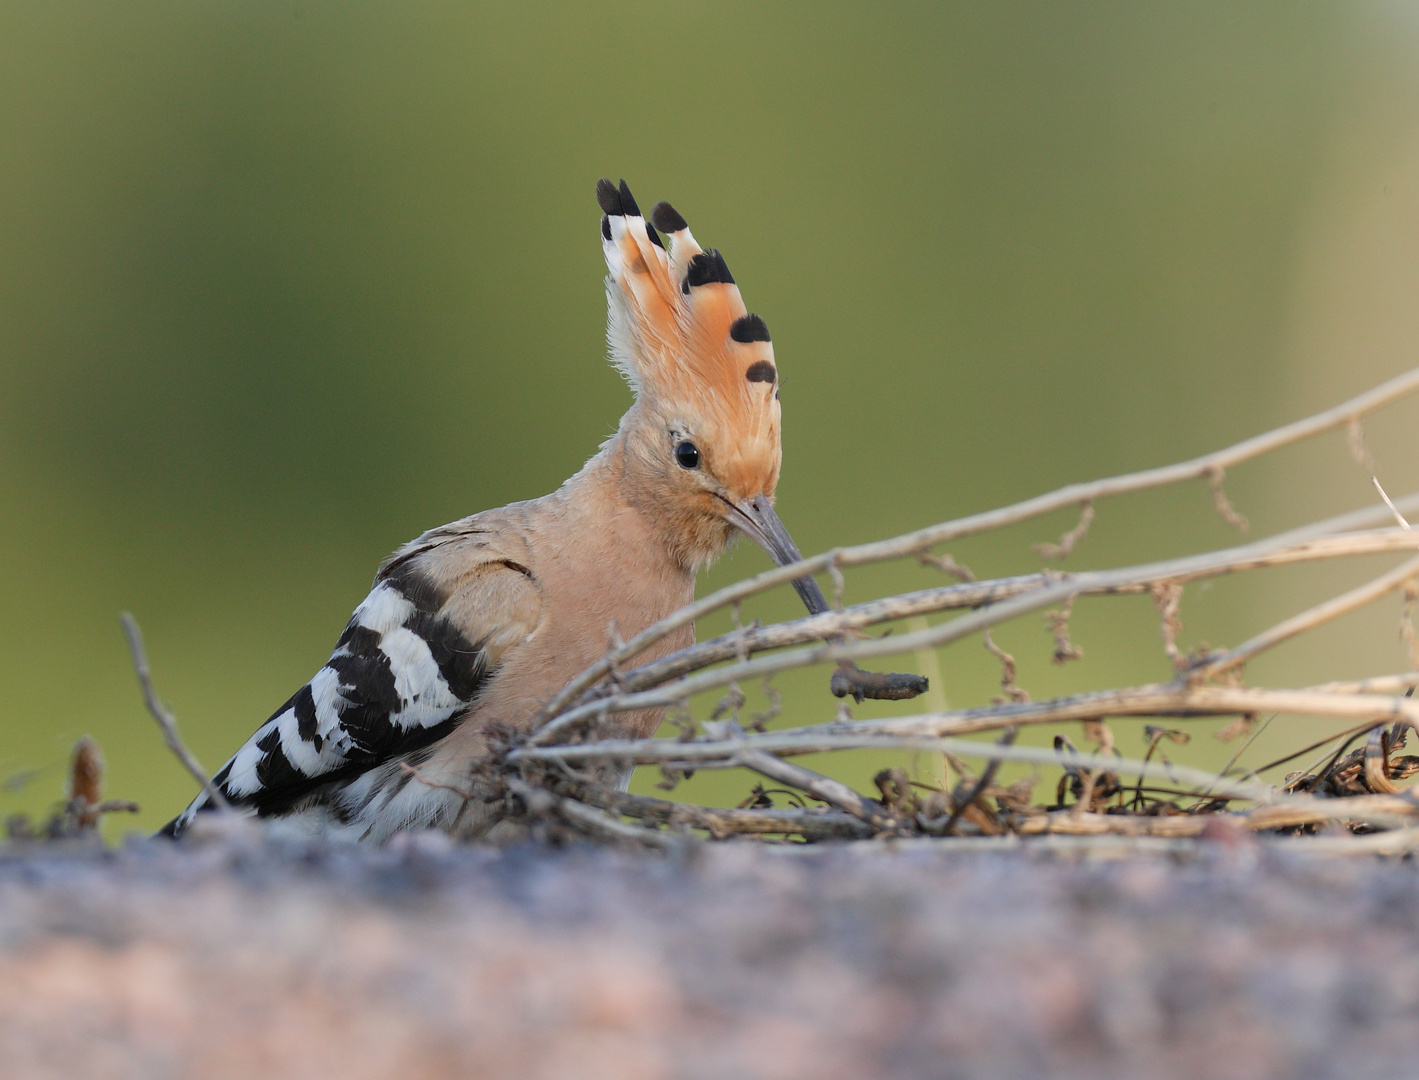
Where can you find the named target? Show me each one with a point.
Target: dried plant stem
(1389, 502)
(166, 721)
(1290, 814)
(1306, 620)
(833, 792)
(980, 787)
(940, 732)
(1206, 466)
(1380, 684)
(812, 824)
(1066, 543)
(1114, 846)
(1063, 588)
(730, 754)
(542, 803)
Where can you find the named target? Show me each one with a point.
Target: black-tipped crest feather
(749, 328)
(706, 268)
(667, 218)
(628, 202)
(609, 196)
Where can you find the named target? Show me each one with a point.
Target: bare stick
(1385, 496)
(542, 803)
(166, 721)
(1284, 631)
(981, 785)
(937, 731)
(730, 754)
(1375, 514)
(1116, 845)
(1380, 684)
(1292, 813)
(1407, 633)
(922, 539)
(833, 792)
(719, 822)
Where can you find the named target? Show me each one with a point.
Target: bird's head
(703, 436)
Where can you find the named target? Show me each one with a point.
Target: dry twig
(166, 721)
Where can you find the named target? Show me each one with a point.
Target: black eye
(687, 455)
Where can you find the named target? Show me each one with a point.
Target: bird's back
(474, 624)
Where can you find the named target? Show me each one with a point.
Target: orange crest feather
(678, 328)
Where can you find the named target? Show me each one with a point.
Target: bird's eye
(687, 455)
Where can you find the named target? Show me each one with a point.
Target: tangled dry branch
(1167, 800)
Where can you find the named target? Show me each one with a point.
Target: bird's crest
(677, 326)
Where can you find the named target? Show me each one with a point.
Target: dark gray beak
(756, 517)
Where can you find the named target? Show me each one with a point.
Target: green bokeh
(284, 284)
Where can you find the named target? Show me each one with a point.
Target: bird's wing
(443, 613)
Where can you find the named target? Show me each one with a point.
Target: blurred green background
(284, 284)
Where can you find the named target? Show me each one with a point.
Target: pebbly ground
(240, 957)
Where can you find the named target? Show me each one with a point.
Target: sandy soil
(239, 957)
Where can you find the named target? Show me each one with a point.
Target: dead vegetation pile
(1350, 780)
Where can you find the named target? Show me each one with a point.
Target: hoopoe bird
(480, 622)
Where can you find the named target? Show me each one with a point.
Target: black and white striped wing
(401, 677)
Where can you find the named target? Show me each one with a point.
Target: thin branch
(1385, 496)
(1380, 684)
(1114, 845)
(947, 565)
(1167, 598)
(981, 786)
(1297, 624)
(812, 824)
(542, 803)
(833, 792)
(1055, 552)
(1290, 814)
(1007, 669)
(1313, 746)
(1407, 633)
(940, 732)
(1215, 476)
(166, 721)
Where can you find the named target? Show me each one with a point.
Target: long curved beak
(757, 519)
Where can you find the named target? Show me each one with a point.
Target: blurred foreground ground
(240, 958)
